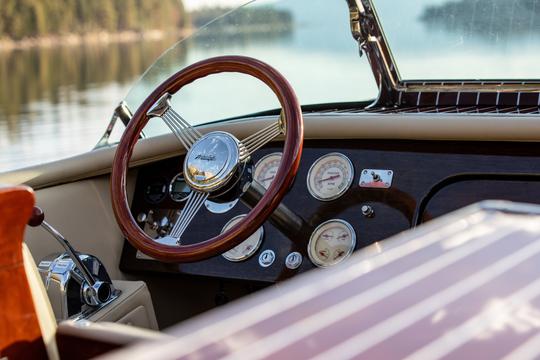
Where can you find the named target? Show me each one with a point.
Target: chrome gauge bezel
(255, 248)
(349, 180)
(264, 158)
(313, 240)
(181, 175)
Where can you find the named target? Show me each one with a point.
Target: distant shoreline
(101, 37)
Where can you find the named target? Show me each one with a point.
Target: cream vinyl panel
(481, 127)
(74, 192)
(82, 212)
(133, 307)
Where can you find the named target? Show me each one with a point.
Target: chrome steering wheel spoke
(194, 203)
(262, 137)
(183, 130)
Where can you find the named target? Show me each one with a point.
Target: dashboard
(348, 194)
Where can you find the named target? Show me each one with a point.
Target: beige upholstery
(482, 127)
(82, 212)
(134, 306)
(108, 332)
(47, 321)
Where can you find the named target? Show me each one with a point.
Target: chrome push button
(267, 258)
(293, 260)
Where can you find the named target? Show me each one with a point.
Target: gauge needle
(268, 178)
(330, 178)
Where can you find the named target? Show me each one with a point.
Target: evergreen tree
(31, 18)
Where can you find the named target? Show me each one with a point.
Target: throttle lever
(97, 292)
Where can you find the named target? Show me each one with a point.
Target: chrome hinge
(121, 112)
(356, 11)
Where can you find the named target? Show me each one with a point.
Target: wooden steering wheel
(216, 163)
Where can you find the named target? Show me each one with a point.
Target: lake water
(56, 102)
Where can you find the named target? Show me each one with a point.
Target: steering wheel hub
(212, 161)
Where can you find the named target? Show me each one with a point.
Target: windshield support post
(366, 30)
(121, 112)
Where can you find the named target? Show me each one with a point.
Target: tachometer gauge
(332, 242)
(330, 176)
(266, 169)
(248, 247)
(178, 189)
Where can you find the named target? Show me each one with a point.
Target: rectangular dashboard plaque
(376, 178)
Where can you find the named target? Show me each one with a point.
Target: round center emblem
(211, 160)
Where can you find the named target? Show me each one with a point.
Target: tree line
(244, 16)
(33, 18)
(491, 19)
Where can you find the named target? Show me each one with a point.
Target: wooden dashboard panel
(430, 178)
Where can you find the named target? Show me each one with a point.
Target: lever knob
(37, 217)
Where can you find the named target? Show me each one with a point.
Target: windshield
(62, 80)
(463, 39)
(308, 41)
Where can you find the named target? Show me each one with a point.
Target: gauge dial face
(178, 189)
(248, 247)
(330, 176)
(332, 242)
(156, 191)
(266, 169)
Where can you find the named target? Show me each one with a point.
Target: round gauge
(248, 247)
(266, 169)
(178, 189)
(155, 192)
(332, 242)
(330, 176)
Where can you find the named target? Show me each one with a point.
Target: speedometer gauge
(330, 176)
(332, 242)
(266, 169)
(248, 247)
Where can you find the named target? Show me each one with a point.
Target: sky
(194, 4)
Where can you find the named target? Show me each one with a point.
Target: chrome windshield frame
(367, 30)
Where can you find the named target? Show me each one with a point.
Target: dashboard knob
(164, 222)
(368, 211)
(37, 217)
(142, 217)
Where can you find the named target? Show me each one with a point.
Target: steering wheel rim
(292, 150)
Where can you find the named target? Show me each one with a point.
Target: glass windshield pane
(463, 39)
(308, 41)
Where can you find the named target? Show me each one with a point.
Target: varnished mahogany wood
(392, 306)
(420, 168)
(20, 334)
(292, 151)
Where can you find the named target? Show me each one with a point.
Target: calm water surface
(56, 102)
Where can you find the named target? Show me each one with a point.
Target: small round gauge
(248, 247)
(266, 169)
(330, 176)
(178, 189)
(155, 192)
(332, 242)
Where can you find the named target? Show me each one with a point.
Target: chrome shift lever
(95, 292)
